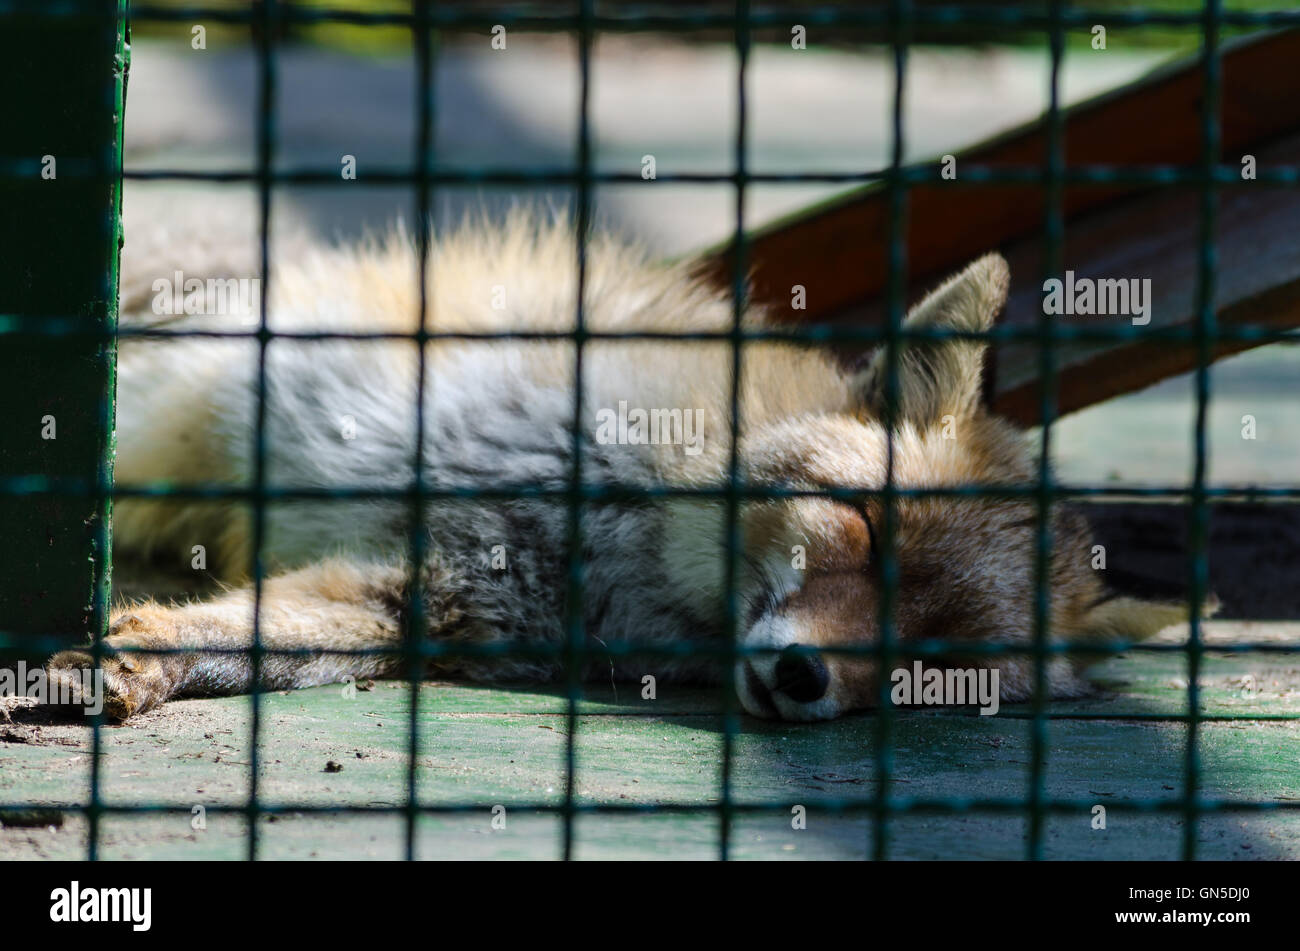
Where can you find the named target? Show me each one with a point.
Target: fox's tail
(1134, 619)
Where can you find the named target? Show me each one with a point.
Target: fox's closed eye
(872, 542)
(859, 506)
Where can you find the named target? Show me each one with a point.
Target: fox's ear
(1135, 619)
(941, 377)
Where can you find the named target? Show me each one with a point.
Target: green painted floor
(485, 747)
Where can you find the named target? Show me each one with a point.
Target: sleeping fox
(500, 411)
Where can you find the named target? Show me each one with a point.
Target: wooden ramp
(839, 250)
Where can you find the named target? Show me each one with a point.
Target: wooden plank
(1156, 237)
(839, 251)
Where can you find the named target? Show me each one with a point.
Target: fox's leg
(334, 605)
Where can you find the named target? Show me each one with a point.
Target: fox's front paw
(131, 683)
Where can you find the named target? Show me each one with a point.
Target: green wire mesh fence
(897, 19)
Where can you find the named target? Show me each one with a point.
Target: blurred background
(350, 90)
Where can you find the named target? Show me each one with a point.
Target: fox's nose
(801, 677)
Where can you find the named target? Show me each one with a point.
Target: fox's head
(965, 564)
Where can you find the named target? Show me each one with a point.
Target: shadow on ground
(484, 747)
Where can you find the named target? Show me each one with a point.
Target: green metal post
(60, 186)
